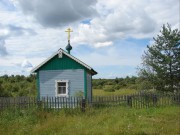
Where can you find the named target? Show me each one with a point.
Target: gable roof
(93, 72)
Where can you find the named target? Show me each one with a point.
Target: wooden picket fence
(137, 100)
(60, 102)
(133, 101)
(17, 102)
(44, 102)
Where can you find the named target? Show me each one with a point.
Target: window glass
(61, 87)
(61, 83)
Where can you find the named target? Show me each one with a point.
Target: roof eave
(34, 70)
(93, 72)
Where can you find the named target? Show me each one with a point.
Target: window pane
(59, 90)
(64, 90)
(61, 87)
(61, 83)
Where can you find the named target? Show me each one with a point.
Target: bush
(133, 86)
(98, 87)
(145, 85)
(117, 87)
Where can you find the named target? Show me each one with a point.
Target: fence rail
(134, 101)
(17, 102)
(138, 100)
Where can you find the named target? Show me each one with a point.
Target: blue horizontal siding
(47, 80)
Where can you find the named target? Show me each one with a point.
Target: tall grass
(105, 121)
(101, 92)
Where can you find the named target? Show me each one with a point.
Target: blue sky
(110, 36)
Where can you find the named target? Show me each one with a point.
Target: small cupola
(69, 47)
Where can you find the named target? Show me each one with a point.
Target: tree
(161, 61)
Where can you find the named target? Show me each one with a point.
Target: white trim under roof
(72, 57)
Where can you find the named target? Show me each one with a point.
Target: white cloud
(26, 64)
(127, 19)
(102, 44)
(4, 32)
(23, 38)
(3, 50)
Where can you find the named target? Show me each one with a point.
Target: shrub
(117, 87)
(133, 86)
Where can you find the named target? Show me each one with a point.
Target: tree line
(17, 85)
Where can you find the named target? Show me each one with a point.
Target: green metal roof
(62, 60)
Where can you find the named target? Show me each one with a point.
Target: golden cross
(68, 31)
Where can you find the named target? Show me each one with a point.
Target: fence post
(83, 105)
(155, 100)
(39, 104)
(129, 101)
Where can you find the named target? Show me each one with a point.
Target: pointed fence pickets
(133, 101)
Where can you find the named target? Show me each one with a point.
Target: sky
(108, 35)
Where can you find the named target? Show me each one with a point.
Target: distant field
(104, 121)
(100, 92)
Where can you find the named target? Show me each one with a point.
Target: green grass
(100, 92)
(104, 121)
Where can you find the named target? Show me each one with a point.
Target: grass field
(100, 92)
(104, 121)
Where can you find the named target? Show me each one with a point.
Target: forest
(17, 85)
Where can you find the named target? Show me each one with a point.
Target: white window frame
(67, 88)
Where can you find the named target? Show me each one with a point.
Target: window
(62, 88)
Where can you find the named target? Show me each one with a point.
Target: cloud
(101, 27)
(26, 64)
(122, 23)
(126, 19)
(9, 31)
(103, 44)
(123, 53)
(20, 67)
(18, 31)
(93, 34)
(58, 12)
(3, 50)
